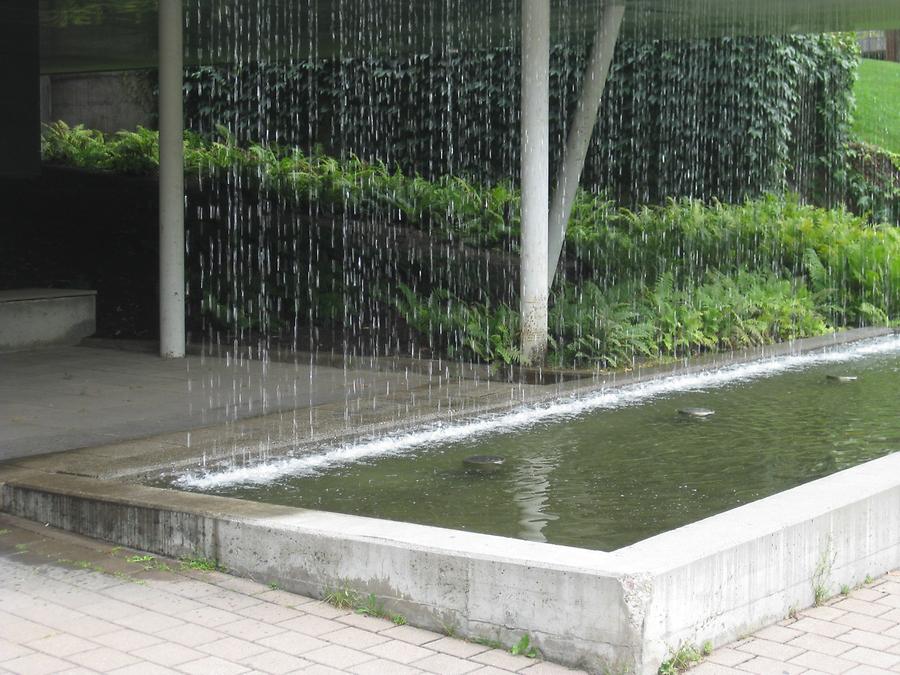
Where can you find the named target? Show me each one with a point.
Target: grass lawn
(878, 104)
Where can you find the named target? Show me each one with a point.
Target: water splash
(529, 416)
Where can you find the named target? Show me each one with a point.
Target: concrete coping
(31, 294)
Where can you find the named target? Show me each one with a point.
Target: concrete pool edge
(712, 580)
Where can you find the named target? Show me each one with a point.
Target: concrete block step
(41, 317)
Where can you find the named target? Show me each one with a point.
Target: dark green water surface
(611, 477)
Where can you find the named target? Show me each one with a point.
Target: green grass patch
(877, 119)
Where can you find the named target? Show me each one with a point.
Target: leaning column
(171, 180)
(535, 179)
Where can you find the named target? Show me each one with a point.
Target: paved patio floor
(73, 605)
(853, 634)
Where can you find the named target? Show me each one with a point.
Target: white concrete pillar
(171, 179)
(581, 130)
(535, 178)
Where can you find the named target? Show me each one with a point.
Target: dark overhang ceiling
(85, 35)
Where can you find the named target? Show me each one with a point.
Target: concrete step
(41, 317)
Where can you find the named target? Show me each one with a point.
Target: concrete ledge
(713, 580)
(31, 318)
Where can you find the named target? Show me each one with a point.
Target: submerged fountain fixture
(484, 463)
(697, 413)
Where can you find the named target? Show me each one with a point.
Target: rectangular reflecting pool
(612, 468)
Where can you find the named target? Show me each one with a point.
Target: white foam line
(525, 417)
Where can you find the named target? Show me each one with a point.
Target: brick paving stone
(383, 667)
(710, 668)
(825, 613)
(862, 607)
(270, 612)
(893, 615)
(168, 654)
(445, 664)
(190, 635)
(144, 669)
(416, 636)
(826, 628)
(827, 664)
(212, 665)
(453, 647)
(871, 657)
(36, 664)
(867, 670)
(397, 650)
(822, 644)
(777, 634)
(764, 666)
(149, 622)
(251, 629)
(490, 670)
(284, 598)
(547, 668)
(325, 611)
(867, 623)
(231, 648)
(312, 625)
(22, 630)
(355, 638)
(863, 638)
(11, 650)
(230, 601)
(211, 617)
(109, 609)
(889, 600)
(369, 623)
(502, 659)
(337, 656)
(275, 662)
(127, 640)
(772, 650)
(240, 585)
(728, 657)
(103, 659)
(294, 643)
(868, 594)
(58, 645)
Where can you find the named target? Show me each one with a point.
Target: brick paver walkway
(73, 605)
(856, 634)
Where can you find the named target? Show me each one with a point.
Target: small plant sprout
(845, 589)
(274, 586)
(707, 648)
(398, 619)
(371, 607)
(821, 578)
(202, 564)
(524, 648)
(3, 532)
(868, 580)
(681, 659)
(342, 598)
(792, 613)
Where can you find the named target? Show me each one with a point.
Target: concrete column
(535, 177)
(581, 130)
(171, 179)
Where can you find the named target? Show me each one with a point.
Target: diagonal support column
(171, 179)
(535, 178)
(580, 133)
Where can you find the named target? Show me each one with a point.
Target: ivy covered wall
(724, 118)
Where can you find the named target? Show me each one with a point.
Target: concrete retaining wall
(40, 317)
(713, 580)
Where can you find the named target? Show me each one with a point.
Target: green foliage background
(723, 118)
